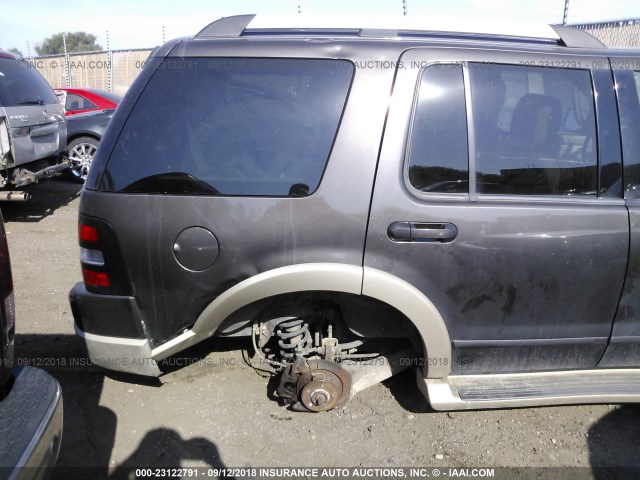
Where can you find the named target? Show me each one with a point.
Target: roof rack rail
(381, 27)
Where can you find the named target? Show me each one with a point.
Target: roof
(395, 27)
(399, 23)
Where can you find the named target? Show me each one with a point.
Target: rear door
(624, 349)
(498, 195)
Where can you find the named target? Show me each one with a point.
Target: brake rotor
(324, 386)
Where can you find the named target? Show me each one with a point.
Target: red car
(80, 100)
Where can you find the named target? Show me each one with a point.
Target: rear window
(20, 84)
(115, 98)
(76, 102)
(225, 126)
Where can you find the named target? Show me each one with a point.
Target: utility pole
(110, 72)
(566, 12)
(66, 59)
(404, 7)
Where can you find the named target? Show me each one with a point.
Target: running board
(466, 392)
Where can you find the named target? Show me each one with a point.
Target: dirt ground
(217, 412)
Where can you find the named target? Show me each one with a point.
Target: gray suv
(359, 199)
(33, 132)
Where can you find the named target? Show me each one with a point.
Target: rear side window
(20, 84)
(231, 126)
(438, 156)
(76, 102)
(628, 90)
(115, 98)
(535, 130)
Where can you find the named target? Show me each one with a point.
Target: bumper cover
(30, 425)
(121, 354)
(105, 315)
(112, 330)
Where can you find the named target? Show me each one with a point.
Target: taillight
(88, 234)
(96, 279)
(103, 269)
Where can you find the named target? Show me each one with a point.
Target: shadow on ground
(404, 389)
(89, 428)
(614, 444)
(46, 197)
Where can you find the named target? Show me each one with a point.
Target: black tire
(80, 153)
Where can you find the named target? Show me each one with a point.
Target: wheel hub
(315, 385)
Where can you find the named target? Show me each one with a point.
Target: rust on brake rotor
(324, 386)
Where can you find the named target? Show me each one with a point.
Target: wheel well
(238, 306)
(354, 316)
(80, 135)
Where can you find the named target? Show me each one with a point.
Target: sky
(123, 24)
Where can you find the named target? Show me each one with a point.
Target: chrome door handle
(422, 232)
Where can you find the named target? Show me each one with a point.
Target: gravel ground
(217, 412)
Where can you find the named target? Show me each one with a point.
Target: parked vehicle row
(383, 197)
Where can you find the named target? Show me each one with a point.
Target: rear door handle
(422, 232)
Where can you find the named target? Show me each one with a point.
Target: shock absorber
(293, 337)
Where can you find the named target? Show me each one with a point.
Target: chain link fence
(624, 33)
(112, 70)
(115, 70)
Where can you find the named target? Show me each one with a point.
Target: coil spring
(294, 337)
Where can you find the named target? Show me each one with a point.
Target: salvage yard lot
(216, 410)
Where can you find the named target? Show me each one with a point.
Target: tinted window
(535, 130)
(76, 102)
(115, 98)
(20, 84)
(628, 88)
(231, 127)
(438, 157)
